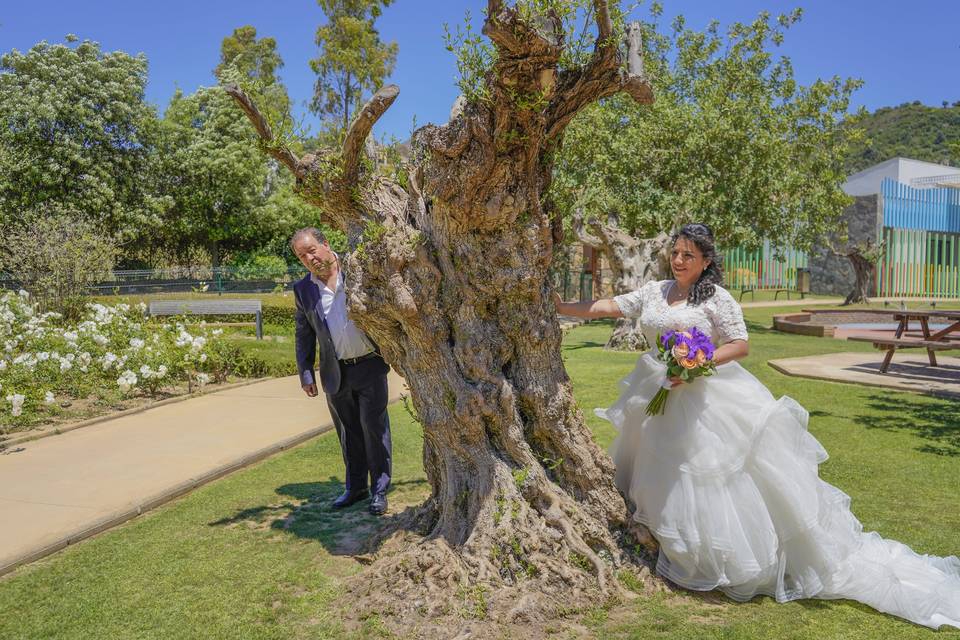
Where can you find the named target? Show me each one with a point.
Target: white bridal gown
(726, 479)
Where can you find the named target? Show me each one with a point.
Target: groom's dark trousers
(356, 393)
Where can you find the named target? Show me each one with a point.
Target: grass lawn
(260, 555)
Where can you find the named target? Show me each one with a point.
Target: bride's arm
(733, 350)
(603, 308)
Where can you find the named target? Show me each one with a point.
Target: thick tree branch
(602, 77)
(361, 126)
(584, 236)
(270, 146)
(604, 23)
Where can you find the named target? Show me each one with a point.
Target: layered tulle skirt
(726, 479)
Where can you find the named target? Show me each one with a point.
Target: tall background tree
(352, 61)
(448, 270)
(227, 198)
(77, 136)
(214, 175)
(733, 141)
(257, 60)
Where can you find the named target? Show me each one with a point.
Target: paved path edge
(154, 501)
(72, 426)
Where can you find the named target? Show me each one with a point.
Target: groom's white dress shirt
(348, 340)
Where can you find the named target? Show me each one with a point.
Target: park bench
(209, 308)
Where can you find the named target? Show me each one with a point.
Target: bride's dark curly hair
(700, 235)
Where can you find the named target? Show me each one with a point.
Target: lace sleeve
(631, 304)
(728, 317)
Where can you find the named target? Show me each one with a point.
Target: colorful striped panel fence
(921, 263)
(762, 268)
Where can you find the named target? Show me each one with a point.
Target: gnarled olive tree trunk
(864, 258)
(448, 272)
(633, 262)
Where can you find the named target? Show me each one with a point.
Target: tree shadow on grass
(935, 420)
(755, 328)
(304, 510)
(583, 345)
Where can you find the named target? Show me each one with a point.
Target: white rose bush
(114, 351)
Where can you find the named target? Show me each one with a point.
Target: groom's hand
(310, 389)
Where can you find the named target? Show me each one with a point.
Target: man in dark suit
(352, 373)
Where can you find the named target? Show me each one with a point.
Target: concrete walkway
(907, 372)
(61, 489)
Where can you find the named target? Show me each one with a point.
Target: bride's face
(687, 262)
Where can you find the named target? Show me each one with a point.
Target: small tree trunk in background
(863, 257)
(633, 262)
(447, 271)
(214, 248)
(863, 269)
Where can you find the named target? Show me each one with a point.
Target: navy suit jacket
(311, 330)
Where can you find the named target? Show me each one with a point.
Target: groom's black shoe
(378, 505)
(348, 498)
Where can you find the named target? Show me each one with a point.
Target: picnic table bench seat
(906, 343)
(209, 308)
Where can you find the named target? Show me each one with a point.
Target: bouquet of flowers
(688, 355)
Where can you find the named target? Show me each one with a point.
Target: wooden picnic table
(944, 339)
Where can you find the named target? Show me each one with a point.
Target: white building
(914, 173)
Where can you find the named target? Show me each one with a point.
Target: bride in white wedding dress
(726, 479)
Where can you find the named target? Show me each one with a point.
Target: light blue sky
(903, 51)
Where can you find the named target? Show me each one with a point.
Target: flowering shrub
(45, 361)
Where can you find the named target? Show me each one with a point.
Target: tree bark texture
(633, 262)
(448, 272)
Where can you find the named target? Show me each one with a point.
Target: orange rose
(688, 363)
(680, 350)
(701, 357)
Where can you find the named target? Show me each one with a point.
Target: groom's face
(316, 256)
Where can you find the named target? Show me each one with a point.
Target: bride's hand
(675, 381)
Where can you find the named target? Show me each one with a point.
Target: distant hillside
(912, 130)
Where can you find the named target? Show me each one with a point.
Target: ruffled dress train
(726, 479)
